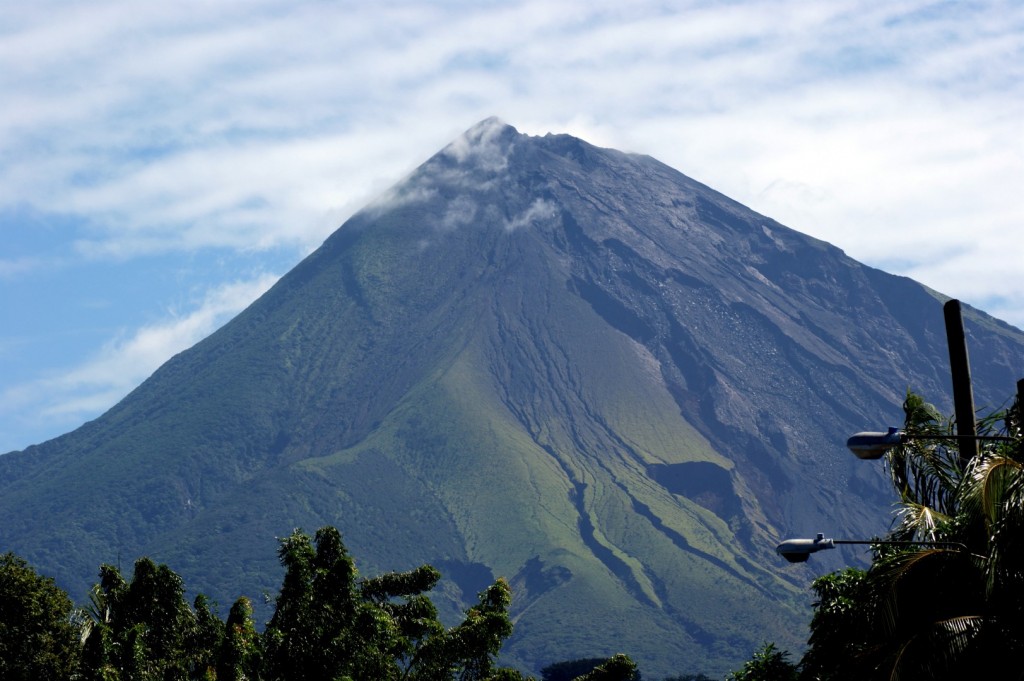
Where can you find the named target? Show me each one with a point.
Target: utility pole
(963, 393)
(1020, 406)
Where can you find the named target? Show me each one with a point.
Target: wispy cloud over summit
(482, 145)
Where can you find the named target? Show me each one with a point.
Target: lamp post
(963, 393)
(874, 445)
(799, 550)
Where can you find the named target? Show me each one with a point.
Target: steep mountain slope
(532, 358)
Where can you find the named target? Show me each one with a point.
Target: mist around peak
(486, 145)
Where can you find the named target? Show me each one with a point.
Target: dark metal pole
(1020, 405)
(1020, 414)
(963, 393)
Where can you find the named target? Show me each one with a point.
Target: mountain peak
(536, 358)
(488, 124)
(485, 145)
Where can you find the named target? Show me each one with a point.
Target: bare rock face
(532, 358)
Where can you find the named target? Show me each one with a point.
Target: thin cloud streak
(71, 396)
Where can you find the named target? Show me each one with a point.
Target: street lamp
(874, 445)
(799, 550)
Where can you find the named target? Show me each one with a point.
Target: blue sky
(161, 164)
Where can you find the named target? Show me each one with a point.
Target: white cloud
(538, 211)
(13, 267)
(133, 358)
(481, 145)
(459, 212)
(890, 129)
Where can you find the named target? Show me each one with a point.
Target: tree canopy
(328, 624)
(38, 632)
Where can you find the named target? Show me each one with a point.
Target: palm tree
(938, 611)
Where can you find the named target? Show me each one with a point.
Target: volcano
(537, 359)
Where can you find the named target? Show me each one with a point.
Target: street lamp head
(799, 550)
(874, 445)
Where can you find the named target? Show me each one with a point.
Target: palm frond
(994, 501)
(918, 522)
(992, 479)
(98, 609)
(886, 579)
(936, 650)
(923, 469)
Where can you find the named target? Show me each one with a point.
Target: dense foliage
(38, 636)
(328, 624)
(591, 669)
(952, 604)
(767, 664)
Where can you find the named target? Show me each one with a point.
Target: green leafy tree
(314, 629)
(616, 668)
(204, 640)
(767, 664)
(144, 629)
(240, 656)
(329, 624)
(467, 651)
(568, 670)
(38, 628)
(838, 648)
